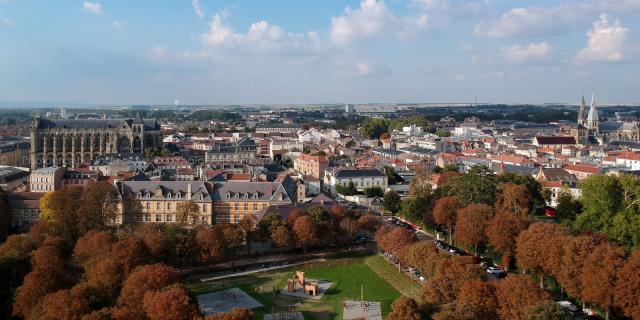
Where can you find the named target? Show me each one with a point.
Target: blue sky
(286, 51)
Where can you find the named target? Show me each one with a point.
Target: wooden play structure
(308, 287)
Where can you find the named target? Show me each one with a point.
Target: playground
(352, 286)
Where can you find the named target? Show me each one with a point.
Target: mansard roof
(149, 124)
(263, 191)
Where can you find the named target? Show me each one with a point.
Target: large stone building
(68, 143)
(606, 131)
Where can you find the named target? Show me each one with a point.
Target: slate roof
(172, 188)
(149, 124)
(357, 173)
(555, 140)
(251, 191)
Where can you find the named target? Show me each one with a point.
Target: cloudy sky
(288, 51)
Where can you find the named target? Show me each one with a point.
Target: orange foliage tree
(444, 213)
(404, 309)
(234, 314)
(92, 246)
(627, 293)
(535, 244)
(513, 198)
(170, 304)
(516, 294)
(68, 304)
(305, 232)
(598, 275)
(471, 223)
(450, 274)
(147, 278)
(502, 232)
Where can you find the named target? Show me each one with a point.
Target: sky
(286, 51)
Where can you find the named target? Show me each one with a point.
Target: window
(168, 205)
(158, 205)
(147, 217)
(148, 205)
(255, 206)
(169, 218)
(237, 206)
(246, 206)
(158, 217)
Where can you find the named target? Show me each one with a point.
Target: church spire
(593, 120)
(582, 115)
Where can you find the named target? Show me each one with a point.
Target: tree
(602, 197)
(392, 176)
(63, 208)
(187, 212)
(373, 192)
(305, 232)
(169, 304)
(248, 224)
(516, 294)
(92, 246)
(234, 314)
(45, 206)
(374, 127)
(99, 206)
(567, 207)
(234, 238)
(318, 215)
(471, 222)
(450, 274)
(502, 231)
(396, 241)
(627, 290)
(424, 256)
(404, 309)
(513, 198)
(479, 296)
(368, 223)
(147, 278)
(535, 243)
(414, 208)
(420, 185)
(547, 310)
(47, 275)
(153, 237)
(625, 226)
(478, 185)
(444, 213)
(66, 304)
(575, 251)
(391, 201)
(211, 243)
(598, 275)
(348, 190)
(281, 236)
(266, 225)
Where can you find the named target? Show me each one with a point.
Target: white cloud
(535, 21)
(158, 52)
(219, 34)
(117, 24)
(534, 51)
(373, 18)
(364, 68)
(4, 21)
(93, 7)
(197, 8)
(607, 42)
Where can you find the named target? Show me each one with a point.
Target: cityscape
(316, 166)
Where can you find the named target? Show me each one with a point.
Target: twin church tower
(591, 119)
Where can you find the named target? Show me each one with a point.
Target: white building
(412, 130)
(361, 178)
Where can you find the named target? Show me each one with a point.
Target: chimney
(189, 191)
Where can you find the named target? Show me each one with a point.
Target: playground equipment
(308, 287)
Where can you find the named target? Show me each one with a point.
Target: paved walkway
(244, 273)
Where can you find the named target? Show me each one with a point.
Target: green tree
(567, 207)
(373, 192)
(348, 190)
(601, 199)
(374, 127)
(413, 208)
(478, 185)
(391, 201)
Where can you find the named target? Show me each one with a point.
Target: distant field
(381, 282)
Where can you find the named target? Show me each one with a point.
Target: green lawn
(347, 275)
(389, 273)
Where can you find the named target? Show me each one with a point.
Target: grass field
(381, 282)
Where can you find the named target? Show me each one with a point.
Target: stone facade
(70, 143)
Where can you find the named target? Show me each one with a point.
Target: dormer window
(246, 195)
(139, 194)
(237, 196)
(255, 195)
(228, 195)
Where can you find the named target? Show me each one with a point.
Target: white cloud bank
(607, 41)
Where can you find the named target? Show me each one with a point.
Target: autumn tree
(502, 231)
(234, 314)
(598, 275)
(15, 264)
(535, 244)
(248, 224)
(424, 256)
(396, 241)
(211, 243)
(66, 304)
(99, 206)
(513, 198)
(420, 186)
(404, 309)
(305, 232)
(547, 310)
(146, 278)
(234, 238)
(368, 223)
(63, 208)
(627, 290)
(516, 294)
(48, 275)
(444, 213)
(450, 274)
(169, 304)
(92, 246)
(471, 222)
(153, 238)
(187, 212)
(575, 250)
(281, 236)
(479, 296)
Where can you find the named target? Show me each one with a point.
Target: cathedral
(71, 142)
(605, 131)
